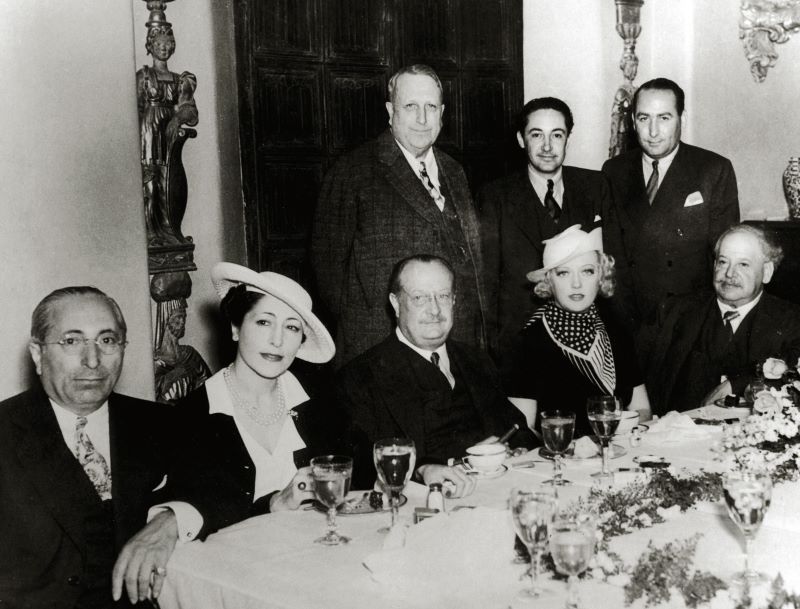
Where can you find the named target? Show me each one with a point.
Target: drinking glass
(747, 495)
(331, 475)
(605, 413)
(572, 540)
(532, 512)
(394, 461)
(557, 430)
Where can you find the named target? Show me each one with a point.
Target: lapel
(63, 487)
(684, 336)
(637, 206)
(405, 181)
(526, 208)
(459, 359)
(676, 183)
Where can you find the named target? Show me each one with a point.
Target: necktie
(435, 359)
(652, 183)
(727, 318)
(437, 197)
(93, 463)
(550, 203)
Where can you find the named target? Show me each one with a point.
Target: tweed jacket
(50, 556)
(387, 390)
(514, 222)
(666, 248)
(373, 211)
(775, 332)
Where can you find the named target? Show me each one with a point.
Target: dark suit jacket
(387, 390)
(46, 499)
(514, 222)
(216, 474)
(666, 249)
(775, 332)
(373, 211)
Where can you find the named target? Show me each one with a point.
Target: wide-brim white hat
(318, 347)
(565, 246)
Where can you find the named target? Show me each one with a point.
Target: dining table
(465, 558)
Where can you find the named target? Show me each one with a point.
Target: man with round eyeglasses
(78, 462)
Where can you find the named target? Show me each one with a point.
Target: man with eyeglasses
(418, 383)
(78, 462)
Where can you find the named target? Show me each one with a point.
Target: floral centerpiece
(770, 437)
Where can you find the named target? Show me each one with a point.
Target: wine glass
(331, 475)
(572, 540)
(747, 495)
(605, 413)
(557, 430)
(394, 461)
(532, 513)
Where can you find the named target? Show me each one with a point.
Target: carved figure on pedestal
(166, 103)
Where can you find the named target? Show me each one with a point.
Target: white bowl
(630, 418)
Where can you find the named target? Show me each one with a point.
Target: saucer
(487, 475)
(617, 450)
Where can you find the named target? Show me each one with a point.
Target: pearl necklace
(252, 410)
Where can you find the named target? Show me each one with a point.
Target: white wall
(572, 51)
(70, 187)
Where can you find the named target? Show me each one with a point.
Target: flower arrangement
(770, 438)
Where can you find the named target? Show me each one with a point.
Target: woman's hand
(298, 490)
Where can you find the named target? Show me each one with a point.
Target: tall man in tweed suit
(391, 198)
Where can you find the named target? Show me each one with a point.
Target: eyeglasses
(443, 299)
(108, 344)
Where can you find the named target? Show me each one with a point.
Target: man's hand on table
(298, 490)
(719, 392)
(141, 566)
(464, 483)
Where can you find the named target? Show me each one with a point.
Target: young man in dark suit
(78, 463)
(520, 211)
(669, 203)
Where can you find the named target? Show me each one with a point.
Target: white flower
(774, 368)
(766, 403)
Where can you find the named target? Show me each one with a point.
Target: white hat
(565, 246)
(318, 347)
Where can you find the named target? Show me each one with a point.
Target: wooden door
(312, 85)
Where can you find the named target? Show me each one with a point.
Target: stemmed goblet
(747, 495)
(331, 475)
(605, 413)
(572, 541)
(532, 512)
(557, 430)
(395, 459)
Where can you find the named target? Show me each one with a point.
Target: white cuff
(189, 520)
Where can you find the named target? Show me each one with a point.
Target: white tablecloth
(271, 562)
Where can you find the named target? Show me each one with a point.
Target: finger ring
(160, 571)
(301, 486)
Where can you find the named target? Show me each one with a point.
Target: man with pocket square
(669, 203)
(79, 464)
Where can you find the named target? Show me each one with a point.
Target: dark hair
(661, 84)
(42, 317)
(417, 68)
(394, 279)
(238, 302)
(772, 251)
(544, 103)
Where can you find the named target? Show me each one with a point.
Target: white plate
(495, 474)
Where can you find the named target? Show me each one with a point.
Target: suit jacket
(775, 332)
(373, 211)
(514, 222)
(216, 474)
(387, 390)
(666, 248)
(47, 502)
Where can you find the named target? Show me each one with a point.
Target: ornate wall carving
(763, 24)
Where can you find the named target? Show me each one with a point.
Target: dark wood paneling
(289, 191)
(288, 109)
(361, 98)
(286, 27)
(358, 30)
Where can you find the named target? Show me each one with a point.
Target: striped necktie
(652, 183)
(551, 204)
(93, 463)
(437, 197)
(727, 319)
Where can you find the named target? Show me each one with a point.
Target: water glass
(747, 496)
(572, 541)
(605, 414)
(558, 428)
(331, 475)
(532, 512)
(394, 459)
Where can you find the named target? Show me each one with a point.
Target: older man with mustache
(708, 348)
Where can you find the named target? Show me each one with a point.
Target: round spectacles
(108, 344)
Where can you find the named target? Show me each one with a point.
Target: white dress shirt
(743, 310)
(539, 184)
(663, 165)
(430, 166)
(96, 428)
(444, 360)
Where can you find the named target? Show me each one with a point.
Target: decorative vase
(791, 187)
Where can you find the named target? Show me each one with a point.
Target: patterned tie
(727, 318)
(435, 359)
(92, 461)
(652, 183)
(550, 203)
(437, 197)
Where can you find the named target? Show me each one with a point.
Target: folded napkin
(459, 556)
(676, 427)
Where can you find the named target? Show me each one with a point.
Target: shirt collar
(663, 163)
(220, 402)
(428, 159)
(442, 350)
(743, 310)
(65, 416)
(539, 183)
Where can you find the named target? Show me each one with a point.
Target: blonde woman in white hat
(252, 427)
(569, 349)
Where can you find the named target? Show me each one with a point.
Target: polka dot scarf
(583, 340)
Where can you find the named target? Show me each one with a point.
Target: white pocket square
(161, 484)
(693, 199)
(596, 218)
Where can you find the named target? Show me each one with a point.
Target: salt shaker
(435, 497)
(636, 437)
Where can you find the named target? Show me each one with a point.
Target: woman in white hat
(252, 428)
(569, 351)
